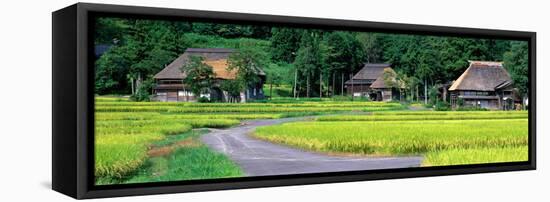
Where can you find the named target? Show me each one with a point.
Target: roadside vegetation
(177, 157)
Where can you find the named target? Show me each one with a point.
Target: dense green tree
(275, 76)
(516, 61)
(318, 61)
(345, 55)
(144, 48)
(309, 59)
(231, 30)
(199, 75)
(372, 46)
(233, 89)
(110, 30)
(248, 62)
(284, 44)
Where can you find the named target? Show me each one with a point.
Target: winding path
(259, 158)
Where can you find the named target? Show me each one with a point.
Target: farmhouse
(484, 84)
(169, 81)
(369, 82)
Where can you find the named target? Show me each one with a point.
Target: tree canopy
(322, 59)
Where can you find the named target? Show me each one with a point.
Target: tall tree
(248, 62)
(143, 48)
(516, 61)
(345, 54)
(308, 59)
(284, 44)
(372, 45)
(199, 76)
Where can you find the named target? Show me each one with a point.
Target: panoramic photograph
(187, 100)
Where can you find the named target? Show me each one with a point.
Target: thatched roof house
(369, 82)
(368, 74)
(169, 85)
(482, 76)
(484, 84)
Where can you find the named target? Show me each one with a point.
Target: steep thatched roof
(482, 76)
(369, 73)
(214, 57)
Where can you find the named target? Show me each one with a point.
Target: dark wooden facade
(169, 85)
(369, 83)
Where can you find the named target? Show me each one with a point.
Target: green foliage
(309, 60)
(142, 93)
(111, 71)
(141, 48)
(213, 41)
(284, 44)
(442, 106)
(110, 30)
(460, 102)
(372, 45)
(248, 62)
(433, 94)
(233, 88)
(390, 78)
(516, 61)
(345, 52)
(185, 159)
(232, 30)
(187, 163)
(199, 75)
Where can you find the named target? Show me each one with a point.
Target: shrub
(442, 106)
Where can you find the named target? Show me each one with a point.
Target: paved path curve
(260, 158)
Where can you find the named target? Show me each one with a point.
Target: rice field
(129, 135)
(428, 115)
(126, 131)
(410, 133)
(476, 156)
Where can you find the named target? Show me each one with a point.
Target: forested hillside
(317, 60)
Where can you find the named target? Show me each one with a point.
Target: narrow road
(260, 158)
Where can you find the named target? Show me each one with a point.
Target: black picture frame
(73, 101)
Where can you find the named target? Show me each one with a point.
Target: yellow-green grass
(425, 116)
(121, 145)
(103, 116)
(301, 104)
(120, 148)
(110, 99)
(119, 154)
(476, 156)
(407, 113)
(182, 157)
(177, 109)
(397, 137)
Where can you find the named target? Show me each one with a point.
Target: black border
(84, 165)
